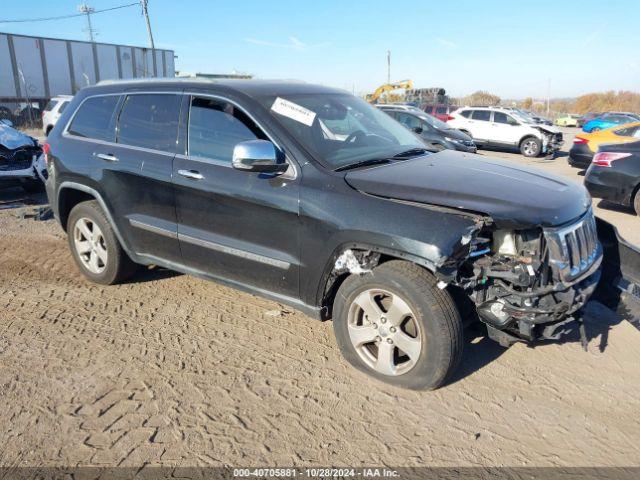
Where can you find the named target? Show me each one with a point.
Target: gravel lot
(173, 370)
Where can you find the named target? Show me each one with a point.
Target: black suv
(312, 197)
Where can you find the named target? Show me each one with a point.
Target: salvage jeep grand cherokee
(312, 197)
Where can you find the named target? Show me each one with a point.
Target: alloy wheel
(90, 245)
(384, 332)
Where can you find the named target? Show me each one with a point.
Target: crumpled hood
(548, 128)
(514, 196)
(11, 138)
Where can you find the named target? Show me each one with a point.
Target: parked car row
(436, 134)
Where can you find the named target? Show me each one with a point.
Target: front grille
(573, 249)
(17, 159)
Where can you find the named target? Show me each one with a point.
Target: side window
(216, 127)
(409, 121)
(500, 117)
(483, 115)
(441, 110)
(465, 113)
(93, 118)
(150, 121)
(63, 107)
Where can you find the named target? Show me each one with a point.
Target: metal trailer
(35, 69)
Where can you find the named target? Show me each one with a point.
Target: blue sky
(510, 48)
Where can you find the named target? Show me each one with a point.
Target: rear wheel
(636, 202)
(595, 129)
(396, 325)
(94, 246)
(530, 147)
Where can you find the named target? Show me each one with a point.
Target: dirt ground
(174, 370)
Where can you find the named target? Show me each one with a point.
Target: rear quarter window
(93, 118)
(63, 107)
(150, 121)
(465, 113)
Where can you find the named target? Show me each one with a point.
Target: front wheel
(396, 325)
(530, 147)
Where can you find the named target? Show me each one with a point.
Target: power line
(61, 17)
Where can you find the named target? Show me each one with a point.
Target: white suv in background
(502, 127)
(53, 110)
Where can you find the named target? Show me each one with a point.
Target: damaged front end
(531, 283)
(18, 155)
(551, 141)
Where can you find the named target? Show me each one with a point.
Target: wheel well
(69, 198)
(529, 135)
(332, 280)
(49, 128)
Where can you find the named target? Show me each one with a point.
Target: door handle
(191, 174)
(106, 156)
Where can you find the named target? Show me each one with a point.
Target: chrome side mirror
(258, 156)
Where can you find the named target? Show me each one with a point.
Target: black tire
(435, 313)
(49, 128)
(595, 129)
(636, 202)
(530, 147)
(32, 186)
(118, 266)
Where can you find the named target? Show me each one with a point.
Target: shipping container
(35, 69)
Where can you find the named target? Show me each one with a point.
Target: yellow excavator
(388, 87)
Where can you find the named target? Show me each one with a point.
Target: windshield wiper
(364, 163)
(414, 152)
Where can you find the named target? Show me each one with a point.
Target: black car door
(139, 172)
(236, 225)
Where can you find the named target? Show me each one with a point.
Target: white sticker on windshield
(293, 111)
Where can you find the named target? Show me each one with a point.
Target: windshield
(340, 129)
(434, 122)
(522, 116)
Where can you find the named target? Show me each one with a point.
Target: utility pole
(145, 12)
(388, 66)
(548, 96)
(86, 9)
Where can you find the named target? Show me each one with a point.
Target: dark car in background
(614, 174)
(440, 111)
(436, 134)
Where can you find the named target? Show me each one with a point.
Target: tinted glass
(63, 107)
(441, 110)
(216, 127)
(481, 115)
(465, 113)
(50, 105)
(150, 121)
(93, 119)
(409, 121)
(499, 117)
